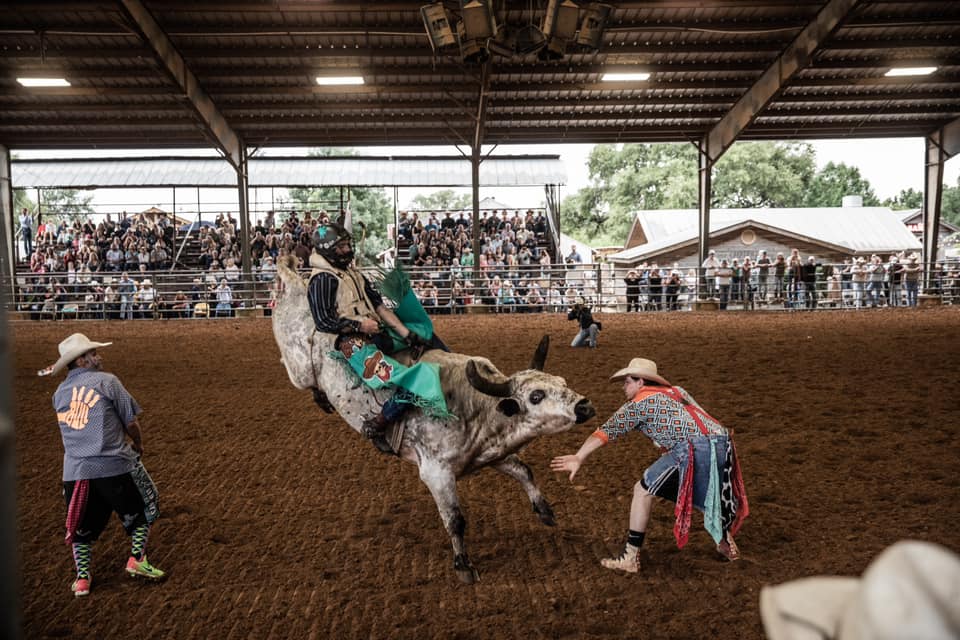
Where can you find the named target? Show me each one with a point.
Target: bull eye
(536, 397)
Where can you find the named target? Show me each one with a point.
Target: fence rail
(550, 288)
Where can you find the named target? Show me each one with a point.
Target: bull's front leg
(443, 487)
(514, 467)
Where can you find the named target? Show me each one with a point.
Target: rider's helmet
(325, 241)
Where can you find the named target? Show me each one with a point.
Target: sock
(635, 538)
(139, 541)
(81, 557)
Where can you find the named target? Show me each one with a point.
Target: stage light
(437, 24)
(594, 21)
(559, 26)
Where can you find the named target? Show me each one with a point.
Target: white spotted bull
(496, 415)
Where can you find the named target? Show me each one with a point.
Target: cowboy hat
(71, 349)
(640, 368)
(908, 591)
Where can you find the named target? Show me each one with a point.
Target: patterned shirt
(659, 417)
(93, 408)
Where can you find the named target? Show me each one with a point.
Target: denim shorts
(662, 478)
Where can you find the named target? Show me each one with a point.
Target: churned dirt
(280, 522)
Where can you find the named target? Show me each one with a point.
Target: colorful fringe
(78, 504)
(684, 509)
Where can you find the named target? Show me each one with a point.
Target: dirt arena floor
(280, 522)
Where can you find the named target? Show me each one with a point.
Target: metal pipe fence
(552, 288)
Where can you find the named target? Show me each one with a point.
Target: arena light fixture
(558, 27)
(339, 80)
(43, 82)
(437, 24)
(592, 24)
(624, 77)
(476, 27)
(909, 71)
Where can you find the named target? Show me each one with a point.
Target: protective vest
(352, 301)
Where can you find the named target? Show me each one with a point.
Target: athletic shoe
(628, 561)
(81, 587)
(143, 569)
(728, 548)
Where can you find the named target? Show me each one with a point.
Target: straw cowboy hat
(909, 591)
(640, 368)
(71, 349)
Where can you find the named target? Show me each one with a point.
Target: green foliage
(65, 204)
(835, 181)
(763, 174)
(906, 199)
(22, 200)
(444, 200)
(950, 204)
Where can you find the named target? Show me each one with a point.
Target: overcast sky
(890, 165)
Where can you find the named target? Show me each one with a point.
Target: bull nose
(584, 411)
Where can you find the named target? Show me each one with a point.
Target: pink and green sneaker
(81, 587)
(143, 569)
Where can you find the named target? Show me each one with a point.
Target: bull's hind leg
(443, 487)
(514, 467)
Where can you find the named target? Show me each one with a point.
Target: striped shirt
(322, 295)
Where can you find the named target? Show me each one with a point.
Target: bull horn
(540, 356)
(485, 385)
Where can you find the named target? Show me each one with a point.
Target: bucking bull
(495, 415)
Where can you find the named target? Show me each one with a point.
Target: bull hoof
(465, 571)
(468, 575)
(545, 512)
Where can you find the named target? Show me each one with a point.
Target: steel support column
(932, 198)
(8, 265)
(941, 145)
(243, 191)
(10, 584)
(475, 161)
(704, 190)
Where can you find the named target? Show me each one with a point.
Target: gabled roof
(915, 216)
(853, 229)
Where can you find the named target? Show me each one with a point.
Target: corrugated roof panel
(265, 172)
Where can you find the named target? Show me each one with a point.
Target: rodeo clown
(344, 302)
(698, 466)
(102, 472)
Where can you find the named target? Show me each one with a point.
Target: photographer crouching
(589, 328)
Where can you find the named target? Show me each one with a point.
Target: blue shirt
(92, 409)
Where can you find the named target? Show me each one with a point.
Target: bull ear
(486, 385)
(540, 356)
(508, 407)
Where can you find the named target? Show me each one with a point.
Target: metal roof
(856, 229)
(189, 73)
(495, 171)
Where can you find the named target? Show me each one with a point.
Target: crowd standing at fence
(80, 269)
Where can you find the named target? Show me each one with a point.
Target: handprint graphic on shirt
(81, 401)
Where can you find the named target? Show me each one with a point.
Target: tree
(369, 205)
(763, 174)
(444, 200)
(950, 204)
(835, 181)
(664, 176)
(906, 199)
(65, 204)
